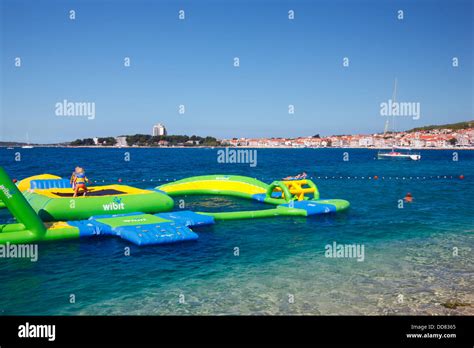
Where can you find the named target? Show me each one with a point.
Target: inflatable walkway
(292, 198)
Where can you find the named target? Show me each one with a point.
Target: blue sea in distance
(409, 266)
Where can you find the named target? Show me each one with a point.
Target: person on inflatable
(73, 177)
(80, 180)
(408, 198)
(297, 177)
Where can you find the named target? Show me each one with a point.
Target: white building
(121, 141)
(462, 140)
(159, 129)
(366, 141)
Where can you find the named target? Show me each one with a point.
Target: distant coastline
(235, 147)
(450, 136)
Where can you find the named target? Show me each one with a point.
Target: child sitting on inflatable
(80, 181)
(297, 177)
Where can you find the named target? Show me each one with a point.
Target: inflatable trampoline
(52, 199)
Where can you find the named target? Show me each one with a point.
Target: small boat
(10, 148)
(399, 155)
(27, 147)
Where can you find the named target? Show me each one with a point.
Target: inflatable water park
(46, 209)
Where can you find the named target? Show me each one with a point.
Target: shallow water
(408, 267)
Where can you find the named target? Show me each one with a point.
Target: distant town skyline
(436, 138)
(159, 129)
(441, 137)
(233, 69)
(458, 135)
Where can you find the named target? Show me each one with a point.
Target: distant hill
(10, 143)
(453, 126)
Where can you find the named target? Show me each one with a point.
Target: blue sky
(190, 62)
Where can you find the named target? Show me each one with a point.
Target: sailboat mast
(394, 98)
(385, 130)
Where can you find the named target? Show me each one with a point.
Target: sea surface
(417, 259)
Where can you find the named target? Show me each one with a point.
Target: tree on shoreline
(150, 140)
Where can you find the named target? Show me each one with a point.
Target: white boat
(399, 155)
(393, 154)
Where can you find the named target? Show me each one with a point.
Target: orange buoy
(375, 177)
(461, 177)
(15, 180)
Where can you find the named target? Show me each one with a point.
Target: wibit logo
(6, 191)
(116, 204)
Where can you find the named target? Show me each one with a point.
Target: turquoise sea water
(408, 251)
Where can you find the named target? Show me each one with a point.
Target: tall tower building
(159, 129)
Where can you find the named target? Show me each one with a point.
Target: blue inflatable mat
(187, 218)
(312, 207)
(43, 184)
(155, 234)
(138, 228)
(261, 196)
